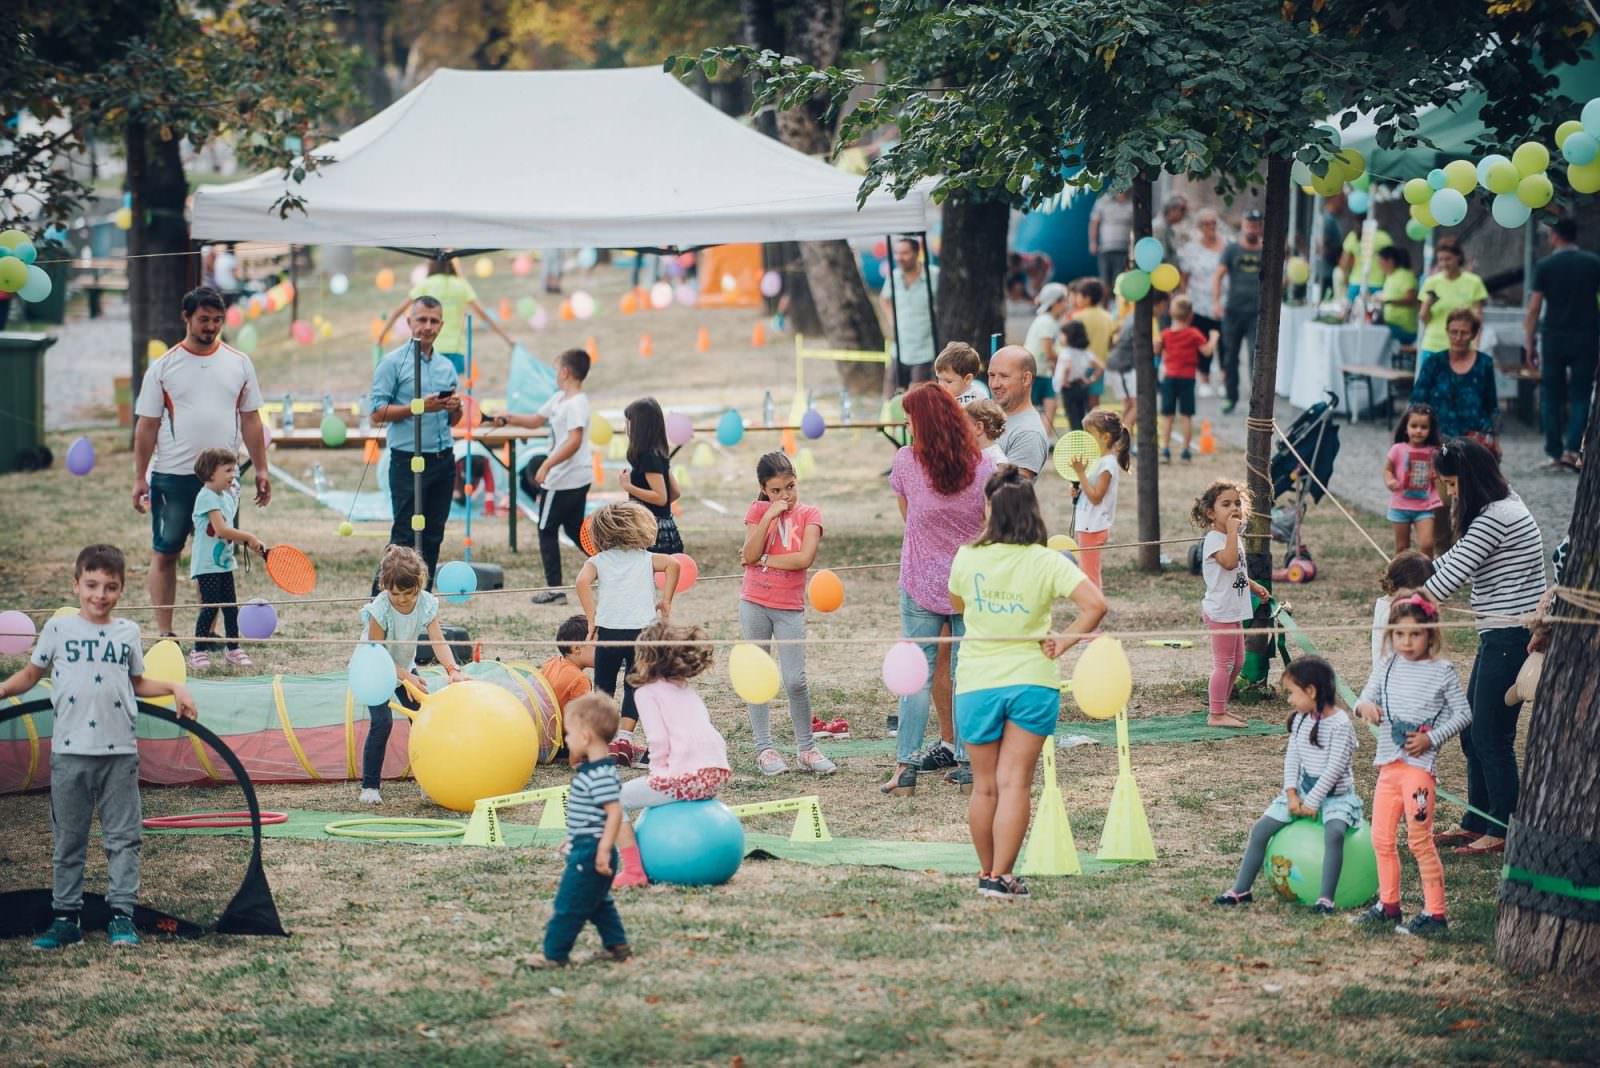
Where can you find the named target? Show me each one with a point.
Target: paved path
(79, 367)
(1362, 448)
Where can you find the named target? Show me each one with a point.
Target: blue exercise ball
(691, 843)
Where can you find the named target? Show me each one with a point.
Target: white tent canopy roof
(555, 159)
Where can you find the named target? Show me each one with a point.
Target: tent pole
(416, 457)
(469, 466)
(1527, 259)
(927, 278)
(891, 369)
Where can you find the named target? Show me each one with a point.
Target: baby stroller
(1315, 436)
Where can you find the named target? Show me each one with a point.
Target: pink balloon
(905, 669)
(688, 572)
(771, 284)
(522, 265)
(687, 294)
(16, 633)
(303, 332)
(680, 428)
(419, 273)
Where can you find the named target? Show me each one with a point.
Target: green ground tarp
(1152, 730)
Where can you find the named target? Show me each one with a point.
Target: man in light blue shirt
(394, 385)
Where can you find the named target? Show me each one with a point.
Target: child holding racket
(399, 614)
(216, 508)
(1097, 499)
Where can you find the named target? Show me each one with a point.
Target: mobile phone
(443, 393)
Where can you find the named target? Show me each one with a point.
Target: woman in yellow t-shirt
(455, 295)
(1399, 294)
(1445, 291)
(1008, 692)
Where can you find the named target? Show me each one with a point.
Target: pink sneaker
(240, 658)
(199, 660)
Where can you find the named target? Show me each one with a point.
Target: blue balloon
(1436, 179)
(1509, 210)
(812, 424)
(1448, 207)
(1581, 148)
(691, 843)
(27, 253)
(1147, 253)
(730, 428)
(1359, 202)
(456, 581)
(372, 677)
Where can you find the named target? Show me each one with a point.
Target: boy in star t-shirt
(96, 671)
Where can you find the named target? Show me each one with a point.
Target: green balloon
(1416, 231)
(1294, 865)
(334, 431)
(1362, 181)
(1133, 285)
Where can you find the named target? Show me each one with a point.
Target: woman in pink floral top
(938, 481)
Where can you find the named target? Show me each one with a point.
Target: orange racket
(291, 569)
(586, 536)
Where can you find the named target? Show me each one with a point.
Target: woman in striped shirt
(1498, 550)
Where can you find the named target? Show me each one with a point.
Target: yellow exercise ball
(754, 675)
(1102, 680)
(472, 740)
(163, 662)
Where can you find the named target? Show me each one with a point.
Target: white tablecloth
(1292, 319)
(1321, 354)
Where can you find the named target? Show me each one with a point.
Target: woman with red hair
(938, 482)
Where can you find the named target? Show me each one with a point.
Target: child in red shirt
(1180, 347)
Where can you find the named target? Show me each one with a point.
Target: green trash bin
(22, 399)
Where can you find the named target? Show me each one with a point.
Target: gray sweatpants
(759, 624)
(79, 784)
(1333, 832)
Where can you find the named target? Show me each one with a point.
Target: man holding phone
(394, 385)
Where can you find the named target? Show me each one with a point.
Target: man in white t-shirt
(565, 474)
(201, 394)
(1011, 371)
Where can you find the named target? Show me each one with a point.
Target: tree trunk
(799, 306)
(842, 307)
(363, 27)
(1263, 397)
(160, 269)
(1144, 363)
(1561, 769)
(972, 271)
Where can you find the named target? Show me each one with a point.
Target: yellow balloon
(704, 457)
(123, 218)
(1165, 278)
(1061, 543)
(483, 267)
(1461, 175)
(1530, 158)
(164, 663)
(1424, 215)
(64, 610)
(1102, 680)
(1585, 179)
(472, 740)
(600, 430)
(1352, 164)
(1566, 130)
(1299, 270)
(1329, 184)
(754, 675)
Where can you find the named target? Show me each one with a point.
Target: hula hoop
(211, 819)
(443, 828)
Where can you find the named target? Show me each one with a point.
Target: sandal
(1455, 837)
(903, 783)
(1227, 720)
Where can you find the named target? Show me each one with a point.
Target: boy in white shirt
(1076, 370)
(957, 369)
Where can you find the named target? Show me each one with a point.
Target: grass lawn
(409, 954)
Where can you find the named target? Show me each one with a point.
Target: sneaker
(988, 886)
(624, 751)
(613, 954)
(1006, 888)
(1424, 924)
(1377, 918)
(62, 932)
(1229, 406)
(1186, 456)
(938, 757)
(770, 762)
(836, 729)
(199, 660)
(370, 796)
(549, 597)
(960, 775)
(813, 761)
(1230, 898)
(120, 931)
(1166, 456)
(1324, 907)
(239, 658)
(542, 963)
(891, 725)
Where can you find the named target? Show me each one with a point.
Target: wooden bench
(1370, 373)
(97, 278)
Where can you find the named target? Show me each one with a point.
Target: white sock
(624, 736)
(947, 746)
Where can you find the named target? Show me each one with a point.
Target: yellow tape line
(33, 744)
(288, 729)
(349, 734)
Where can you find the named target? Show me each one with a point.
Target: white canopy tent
(627, 158)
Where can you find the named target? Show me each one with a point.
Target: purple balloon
(80, 457)
(680, 428)
(257, 619)
(811, 424)
(771, 284)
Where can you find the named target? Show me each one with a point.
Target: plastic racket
(586, 536)
(1075, 445)
(291, 569)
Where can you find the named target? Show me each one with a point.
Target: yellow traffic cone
(1126, 835)
(1050, 849)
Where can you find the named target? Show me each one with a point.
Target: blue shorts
(981, 715)
(1409, 515)
(172, 511)
(1177, 396)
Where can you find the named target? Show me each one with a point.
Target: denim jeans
(584, 896)
(918, 622)
(1564, 403)
(380, 722)
(1490, 743)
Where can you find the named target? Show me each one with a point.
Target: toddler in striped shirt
(1317, 783)
(1415, 700)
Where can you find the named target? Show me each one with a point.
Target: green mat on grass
(1152, 730)
(953, 858)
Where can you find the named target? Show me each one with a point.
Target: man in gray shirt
(1024, 442)
(1241, 267)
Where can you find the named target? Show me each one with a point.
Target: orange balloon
(826, 591)
(385, 279)
(629, 303)
(567, 314)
